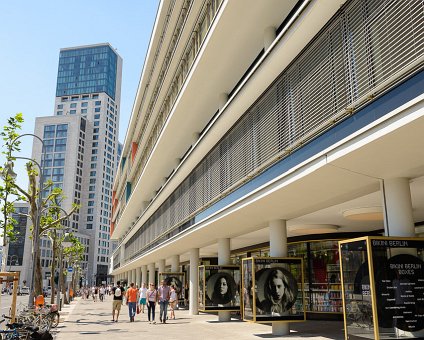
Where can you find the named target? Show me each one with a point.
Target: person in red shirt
(132, 300)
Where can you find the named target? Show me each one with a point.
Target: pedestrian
(132, 299)
(152, 298)
(94, 292)
(173, 299)
(164, 295)
(102, 293)
(143, 296)
(117, 300)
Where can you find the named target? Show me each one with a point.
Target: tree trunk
(63, 286)
(53, 267)
(38, 284)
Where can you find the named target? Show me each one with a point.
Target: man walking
(164, 294)
(132, 298)
(117, 292)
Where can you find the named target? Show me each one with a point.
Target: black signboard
(399, 284)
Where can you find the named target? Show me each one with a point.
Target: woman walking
(152, 298)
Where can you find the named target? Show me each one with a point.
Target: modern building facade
(81, 148)
(271, 128)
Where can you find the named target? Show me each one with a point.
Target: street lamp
(36, 230)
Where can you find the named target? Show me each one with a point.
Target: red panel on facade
(134, 147)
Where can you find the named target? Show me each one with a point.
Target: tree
(50, 205)
(73, 255)
(8, 193)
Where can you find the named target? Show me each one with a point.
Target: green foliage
(9, 193)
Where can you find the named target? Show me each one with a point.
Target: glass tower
(87, 70)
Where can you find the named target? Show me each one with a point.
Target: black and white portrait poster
(221, 287)
(177, 280)
(278, 289)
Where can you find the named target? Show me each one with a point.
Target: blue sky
(33, 32)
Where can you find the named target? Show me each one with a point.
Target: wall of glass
(323, 291)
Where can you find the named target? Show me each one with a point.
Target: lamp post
(36, 229)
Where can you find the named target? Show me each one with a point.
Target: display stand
(272, 289)
(383, 287)
(8, 278)
(219, 288)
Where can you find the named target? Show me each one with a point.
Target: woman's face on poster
(277, 288)
(223, 287)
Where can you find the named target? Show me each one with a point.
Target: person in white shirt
(101, 293)
(143, 296)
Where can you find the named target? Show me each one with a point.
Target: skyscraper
(81, 146)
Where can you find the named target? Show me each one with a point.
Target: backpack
(118, 292)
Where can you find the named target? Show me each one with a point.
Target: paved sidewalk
(93, 320)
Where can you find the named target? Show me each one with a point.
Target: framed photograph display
(383, 287)
(272, 289)
(219, 288)
(174, 279)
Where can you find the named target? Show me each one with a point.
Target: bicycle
(17, 331)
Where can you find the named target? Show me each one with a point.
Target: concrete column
(138, 277)
(144, 277)
(134, 276)
(278, 248)
(397, 203)
(194, 282)
(224, 252)
(269, 36)
(175, 263)
(161, 268)
(151, 273)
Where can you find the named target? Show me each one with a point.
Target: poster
(219, 288)
(399, 284)
(174, 279)
(383, 287)
(273, 289)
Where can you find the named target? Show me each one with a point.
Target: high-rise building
(81, 147)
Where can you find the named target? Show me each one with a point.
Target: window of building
(73, 105)
(97, 109)
(90, 203)
(89, 226)
(95, 96)
(92, 173)
(91, 195)
(96, 123)
(83, 111)
(72, 112)
(98, 102)
(59, 113)
(84, 104)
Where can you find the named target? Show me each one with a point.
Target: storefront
(322, 286)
